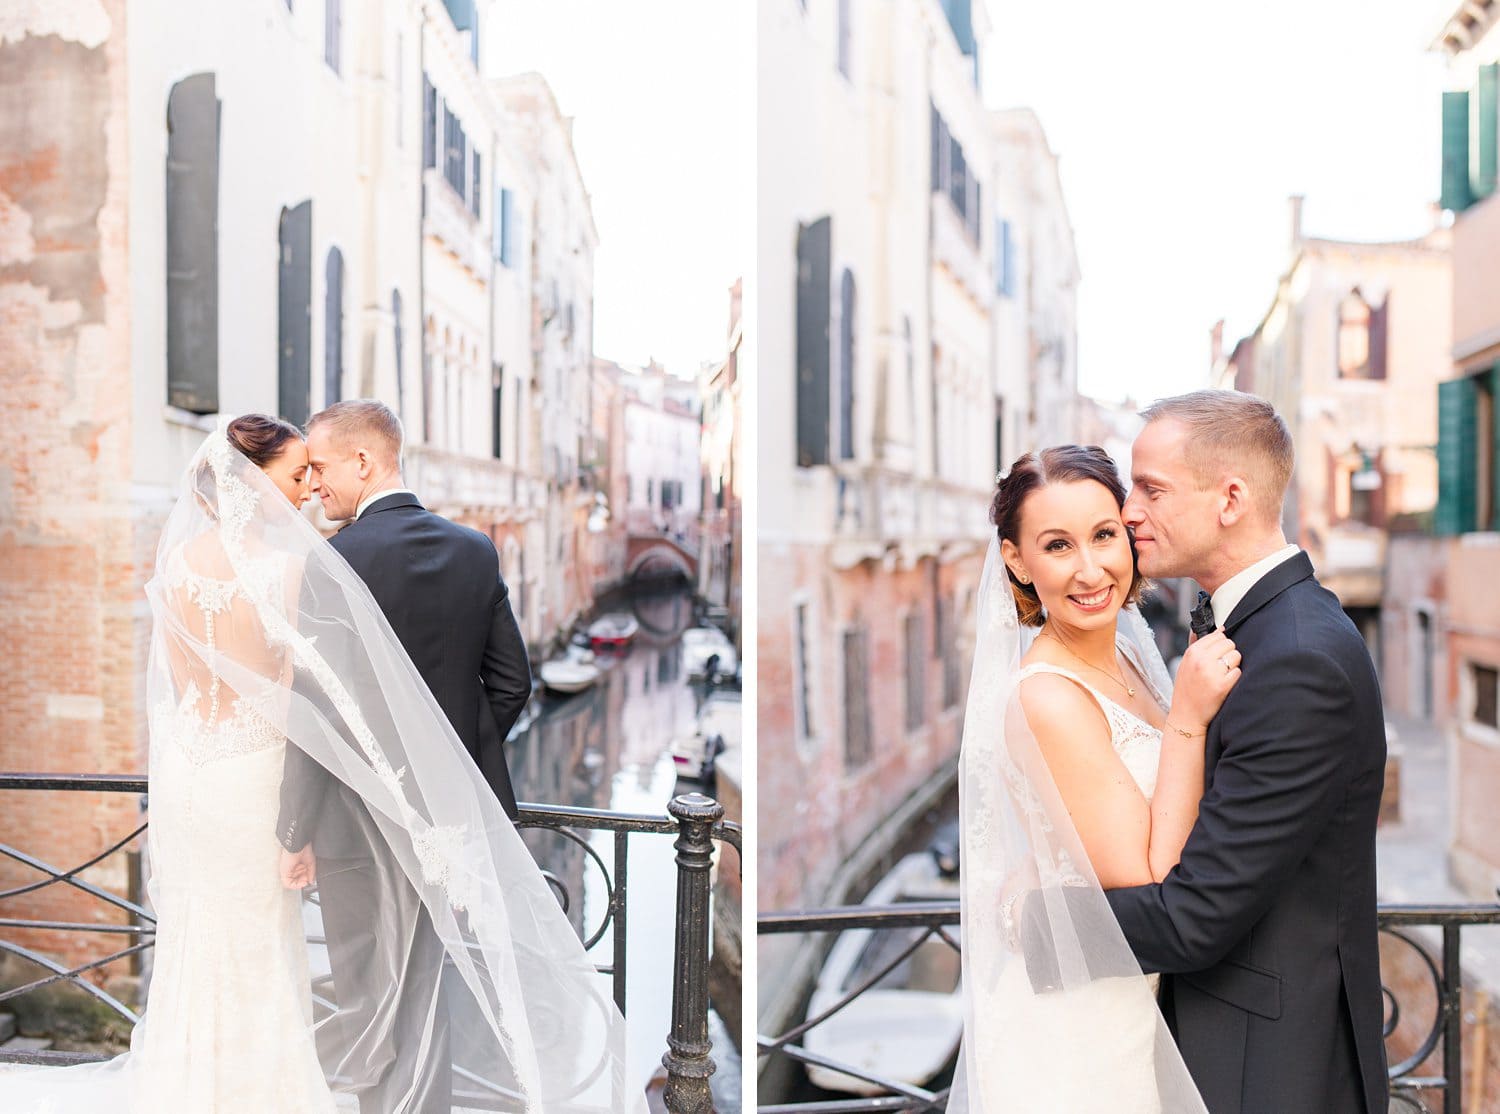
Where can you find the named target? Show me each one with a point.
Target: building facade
(884, 192)
(1349, 352)
(265, 208)
(1468, 511)
(721, 539)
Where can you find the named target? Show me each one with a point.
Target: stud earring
(1025, 579)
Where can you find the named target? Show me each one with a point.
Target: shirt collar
(365, 504)
(1238, 586)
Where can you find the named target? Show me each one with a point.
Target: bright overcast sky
(656, 89)
(1183, 127)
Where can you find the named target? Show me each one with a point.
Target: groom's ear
(1235, 501)
(366, 464)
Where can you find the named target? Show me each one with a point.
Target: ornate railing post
(687, 1061)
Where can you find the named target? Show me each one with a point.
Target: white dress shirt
(1238, 586)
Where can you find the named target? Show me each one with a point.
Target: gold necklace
(1086, 664)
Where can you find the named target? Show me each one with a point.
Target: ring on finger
(1224, 661)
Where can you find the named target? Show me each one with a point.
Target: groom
(438, 584)
(1266, 928)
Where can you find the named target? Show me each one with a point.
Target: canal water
(608, 748)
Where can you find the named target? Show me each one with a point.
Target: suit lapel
(1291, 571)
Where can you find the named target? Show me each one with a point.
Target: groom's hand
(299, 869)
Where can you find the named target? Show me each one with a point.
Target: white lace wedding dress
(1035, 1052)
(229, 1023)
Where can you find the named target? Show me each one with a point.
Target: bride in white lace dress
(263, 638)
(1081, 771)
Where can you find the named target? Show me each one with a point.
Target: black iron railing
(938, 920)
(694, 820)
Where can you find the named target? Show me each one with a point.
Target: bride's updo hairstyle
(1059, 464)
(260, 437)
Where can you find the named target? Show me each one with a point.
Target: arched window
(333, 328)
(1354, 336)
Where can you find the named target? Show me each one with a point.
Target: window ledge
(1479, 733)
(175, 415)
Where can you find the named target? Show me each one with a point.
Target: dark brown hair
(261, 437)
(1059, 464)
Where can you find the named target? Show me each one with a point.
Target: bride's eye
(1107, 532)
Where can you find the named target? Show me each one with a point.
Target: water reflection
(607, 748)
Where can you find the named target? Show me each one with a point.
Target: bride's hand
(1209, 669)
(299, 869)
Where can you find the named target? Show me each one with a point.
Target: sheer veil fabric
(1057, 1014)
(264, 638)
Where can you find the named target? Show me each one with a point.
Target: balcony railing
(694, 820)
(938, 920)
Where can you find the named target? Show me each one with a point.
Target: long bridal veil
(1057, 1014)
(262, 631)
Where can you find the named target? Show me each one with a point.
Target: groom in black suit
(439, 587)
(1265, 930)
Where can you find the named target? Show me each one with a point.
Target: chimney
(1295, 203)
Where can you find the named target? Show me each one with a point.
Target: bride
(264, 638)
(1081, 771)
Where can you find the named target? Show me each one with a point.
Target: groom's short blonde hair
(362, 423)
(1233, 432)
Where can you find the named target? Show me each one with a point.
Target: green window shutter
(1486, 126)
(1457, 406)
(1455, 188)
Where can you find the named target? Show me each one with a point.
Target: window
(814, 294)
(429, 124)
(1000, 461)
(455, 152)
(474, 190)
(1361, 341)
(497, 408)
(1468, 451)
(802, 708)
(333, 328)
(1005, 260)
(400, 350)
(332, 33)
(294, 315)
(844, 34)
(916, 673)
(193, 245)
(951, 175)
(502, 234)
(1486, 682)
(846, 366)
(856, 698)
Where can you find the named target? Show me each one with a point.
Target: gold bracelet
(1180, 731)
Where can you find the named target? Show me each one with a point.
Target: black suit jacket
(439, 586)
(1266, 929)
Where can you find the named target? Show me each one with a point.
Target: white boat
(694, 753)
(571, 674)
(707, 654)
(906, 1028)
(613, 631)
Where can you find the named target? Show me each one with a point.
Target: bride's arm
(1202, 684)
(1103, 801)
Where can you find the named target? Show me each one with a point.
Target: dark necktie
(1203, 616)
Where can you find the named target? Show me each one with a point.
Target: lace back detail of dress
(230, 725)
(1136, 742)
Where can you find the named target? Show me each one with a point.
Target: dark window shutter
(936, 126)
(1000, 460)
(1457, 429)
(294, 315)
(1379, 323)
(333, 328)
(814, 293)
(1486, 123)
(845, 29)
(400, 351)
(916, 673)
(429, 124)
(846, 366)
(497, 409)
(507, 227)
(856, 698)
(193, 245)
(1455, 189)
(474, 190)
(332, 32)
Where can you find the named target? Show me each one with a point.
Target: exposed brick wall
(68, 693)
